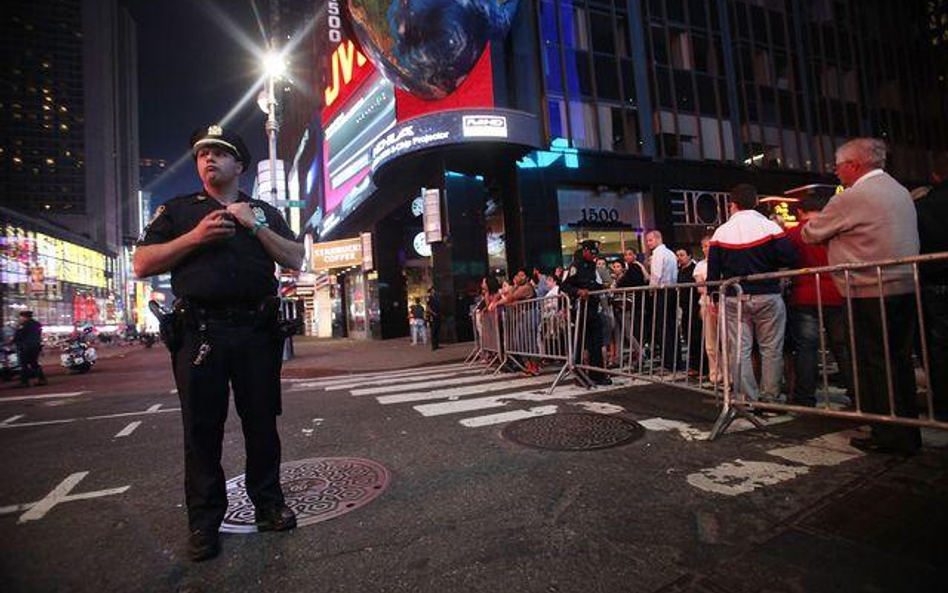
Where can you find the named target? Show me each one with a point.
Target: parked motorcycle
(78, 357)
(9, 363)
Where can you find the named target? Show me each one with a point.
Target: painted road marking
(128, 429)
(827, 450)
(455, 392)
(367, 375)
(12, 419)
(496, 401)
(407, 378)
(741, 477)
(340, 381)
(60, 494)
(155, 409)
(20, 398)
(480, 379)
(491, 419)
(382, 381)
(690, 433)
(599, 407)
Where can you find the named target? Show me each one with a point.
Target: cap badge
(215, 130)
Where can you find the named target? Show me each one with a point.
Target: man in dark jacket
(688, 301)
(932, 210)
(29, 343)
(582, 279)
(433, 313)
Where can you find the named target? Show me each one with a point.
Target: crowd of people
(781, 319)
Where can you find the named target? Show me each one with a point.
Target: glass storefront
(355, 305)
(61, 282)
(617, 219)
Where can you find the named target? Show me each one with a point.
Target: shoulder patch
(259, 214)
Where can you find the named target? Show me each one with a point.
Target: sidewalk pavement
(317, 357)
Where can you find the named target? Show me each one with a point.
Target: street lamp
(274, 67)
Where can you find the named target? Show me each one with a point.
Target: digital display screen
(348, 140)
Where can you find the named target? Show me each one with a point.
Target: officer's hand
(583, 293)
(243, 214)
(215, 226)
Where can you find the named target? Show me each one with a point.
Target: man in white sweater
(874, 219)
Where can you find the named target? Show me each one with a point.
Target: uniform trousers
(247, 359)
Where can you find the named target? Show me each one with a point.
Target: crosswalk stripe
(496, 401)
(339, 379)
(416, 396)
(19, 398)
(402, 379)
(426, 384)
(491, 419)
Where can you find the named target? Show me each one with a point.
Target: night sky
(191, 72)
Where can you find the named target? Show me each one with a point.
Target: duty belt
(235, 315)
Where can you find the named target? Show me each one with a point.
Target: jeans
(805, 336)
(764, 319)
(418, 333)
(935, 307)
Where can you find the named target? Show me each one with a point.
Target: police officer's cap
(591, 245)
(215, 135)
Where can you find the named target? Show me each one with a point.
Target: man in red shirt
(806, 294)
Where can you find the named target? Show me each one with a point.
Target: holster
(169, 325)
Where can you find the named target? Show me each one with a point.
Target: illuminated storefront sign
(337, 254)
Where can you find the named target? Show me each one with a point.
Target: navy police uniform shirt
(228, 272)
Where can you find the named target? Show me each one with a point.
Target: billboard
(347, 141)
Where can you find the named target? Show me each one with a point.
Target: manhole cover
(316, 489)
(573, 432)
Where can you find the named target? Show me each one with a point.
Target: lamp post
(274, 67)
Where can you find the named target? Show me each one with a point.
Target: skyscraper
(69, 145)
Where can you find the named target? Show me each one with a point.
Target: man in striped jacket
(748, 243)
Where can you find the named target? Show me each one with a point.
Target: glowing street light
(274, 65)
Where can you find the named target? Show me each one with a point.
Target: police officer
(220, 247)
(583, 278)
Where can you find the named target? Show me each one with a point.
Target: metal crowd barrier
(687, 335)
(889, 396)
(539, 330)
(477, 350)
(490, 345)
(661, 334)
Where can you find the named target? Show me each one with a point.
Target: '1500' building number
(591, 215)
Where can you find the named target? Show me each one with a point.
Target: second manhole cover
(573, 432)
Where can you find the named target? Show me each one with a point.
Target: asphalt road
(91, 494)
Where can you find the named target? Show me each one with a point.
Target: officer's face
(217, 167)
